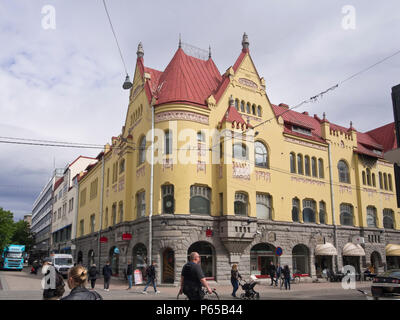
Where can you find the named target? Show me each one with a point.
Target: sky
(64, 83)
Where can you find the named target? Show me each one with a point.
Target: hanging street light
(127, 84)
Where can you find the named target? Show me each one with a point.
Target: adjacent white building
(41, 217)
(65, 206)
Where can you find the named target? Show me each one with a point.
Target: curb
(3, 284)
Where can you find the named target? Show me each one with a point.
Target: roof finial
(231, 101)
(324, 116)
(140, 51)
(180, 41)
(351, 124)
(245, 42)
(209, 52)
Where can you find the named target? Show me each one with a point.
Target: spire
(351, 124)
(324, 116)
(180, 42)
(140, 51)
(245, 42)
(231, 101)
(209, 52)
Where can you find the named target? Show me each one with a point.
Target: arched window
(390, 182)
(322, 212)
(241, 204)
(380, 180)
(168, 200)
(121, 166)
(240, 151)
(114, 214)
(168, 142)
(363, 178)
(385, 181)
(253, 109)
(388, 219)
(307, 165)
(314, 167)
(373, 180)
(264, 206)
(121, 211)
(142, 150)
(344, 175)
(346, 214)
(371, 216)
(309, 211)
(141, 204)
(237, 104)
(295, 209)
(321, 168)
(368, 177)
(300, 164)
(200, 136)
(261, 155)
(292, 162)
(242, 106)
(248, 107)
(200, 198)
(259, 111)
(106, 218)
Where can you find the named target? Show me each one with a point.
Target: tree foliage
(7, 227)
(23, 235)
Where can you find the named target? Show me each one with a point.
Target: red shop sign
(209, 233)
(103, 239)
(126, 236)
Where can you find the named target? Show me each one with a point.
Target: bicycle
(204, 294)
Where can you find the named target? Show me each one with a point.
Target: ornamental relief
(261, 175)
(140, 172)
(308, 181)
(181, 115)
(387, 196)
(121, 184)
(168, 164)
(241, 170)
(307, 144)
(345, 189)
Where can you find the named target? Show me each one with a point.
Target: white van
(62, 262)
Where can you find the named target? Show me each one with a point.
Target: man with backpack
(151, 277)
(107, 272)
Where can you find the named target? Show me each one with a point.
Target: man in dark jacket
(107, 272)
(93, 275)
(81, 293)
(272, 270)
(151, 278)
(129, 271)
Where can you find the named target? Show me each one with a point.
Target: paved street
(22, 285)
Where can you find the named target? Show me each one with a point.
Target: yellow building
(234, 177)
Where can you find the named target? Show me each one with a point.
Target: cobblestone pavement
(22, 285)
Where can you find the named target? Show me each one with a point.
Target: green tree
(22, 235)
(7, 228)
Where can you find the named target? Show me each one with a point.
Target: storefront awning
(393, 250)
(352, 249)
(326, 249)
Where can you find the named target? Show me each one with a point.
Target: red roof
(186, 79)
(234, 117)
(58, 183)
(385, 135)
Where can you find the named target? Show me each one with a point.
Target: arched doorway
(139, 257)
(114, 261)
(168, 266)
(206, 252)
(376, 261)
(79, 260)
(301, 259)
(261, 256)
(90, 258)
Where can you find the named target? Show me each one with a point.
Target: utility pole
(151, 187)
(101, 208)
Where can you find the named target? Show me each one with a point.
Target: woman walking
(235, 275)
(286, 274)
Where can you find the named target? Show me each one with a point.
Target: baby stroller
(249, 292)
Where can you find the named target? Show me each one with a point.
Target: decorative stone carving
(307, 144)
(181, 115)
(168, 164)
(241, 170)
(140, 172)
(262, 175)
(307, 180)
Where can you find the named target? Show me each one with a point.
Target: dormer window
(301, 130)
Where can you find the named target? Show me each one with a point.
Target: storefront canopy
(352, 249)
(326, 249)
(393, 250)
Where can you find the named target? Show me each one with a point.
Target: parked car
(386, 284)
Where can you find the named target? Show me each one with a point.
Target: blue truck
(12, 257)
